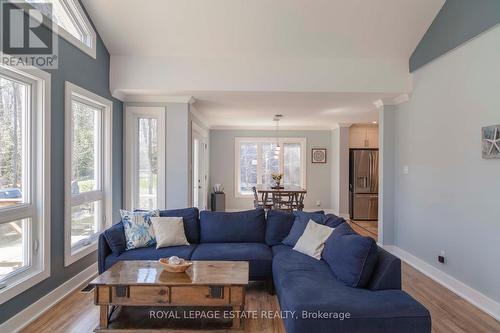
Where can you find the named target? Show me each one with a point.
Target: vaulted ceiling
(193, 47)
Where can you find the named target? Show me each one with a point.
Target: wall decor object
(491, 141)
(318, 155)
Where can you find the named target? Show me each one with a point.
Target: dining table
(297, 193)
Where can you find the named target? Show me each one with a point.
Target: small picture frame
(318, 155)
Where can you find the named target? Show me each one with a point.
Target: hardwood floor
(77, 314)
(450, 313)
(367, 228)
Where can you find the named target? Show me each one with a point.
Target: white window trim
(81, 17)
(239, 140)
(41, 108)
(72, 90)
(130, 148)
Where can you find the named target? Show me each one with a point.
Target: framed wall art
(318, 155)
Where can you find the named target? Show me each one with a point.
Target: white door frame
(200, 134)
(130, 146)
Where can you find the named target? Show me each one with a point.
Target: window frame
(259, 141)
(130, 153)
(104, 194)
(79, 17)
(38, 209)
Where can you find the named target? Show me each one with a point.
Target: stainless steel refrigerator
(363, 184)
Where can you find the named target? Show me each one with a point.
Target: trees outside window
(256, 161)
(88, 170)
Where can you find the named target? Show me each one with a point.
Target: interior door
(144, 150)
(200, 166)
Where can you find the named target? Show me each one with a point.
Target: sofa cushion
(258, 255)
(351, 257)
(280, 248)
(299, 225)
(305, 285)
(278, 225)
(387, 272)
(115, 236)
(190, 218)
(333, 221)
(151, 253)
(233, 227)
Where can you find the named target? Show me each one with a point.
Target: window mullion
(259, 163)
(17, 213)
(79, 199)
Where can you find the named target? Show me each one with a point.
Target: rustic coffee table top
(145, 272)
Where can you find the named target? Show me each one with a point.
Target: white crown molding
(378, 103)
(35, 310)
(470, 294)
(403, 98)
(197, 114)
(142, 98)
(118, 95)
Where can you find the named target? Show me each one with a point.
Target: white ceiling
(300, 110)
(189, 36)
(263, 28)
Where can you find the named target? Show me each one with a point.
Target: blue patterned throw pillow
(138, 228)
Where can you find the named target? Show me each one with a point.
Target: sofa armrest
(387, 273)
(103, 250)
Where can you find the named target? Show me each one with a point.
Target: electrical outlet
(318, 203)
(406, 170)
(442, 257)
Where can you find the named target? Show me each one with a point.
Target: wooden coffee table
(146, 283)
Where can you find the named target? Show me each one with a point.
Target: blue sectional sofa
(310, 295)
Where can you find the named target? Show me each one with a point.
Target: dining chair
(258, 203)
(283, 201)
(299, 201)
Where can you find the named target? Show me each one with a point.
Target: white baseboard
(468, 293)
(35, 310)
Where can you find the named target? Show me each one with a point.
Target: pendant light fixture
(276, 119)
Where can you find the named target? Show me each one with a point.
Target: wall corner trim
(402, 98)
(35, 310)
(470, 294)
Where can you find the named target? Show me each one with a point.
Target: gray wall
(344, 171)
(178, 132)
(450, 200)
(457, 22)
(93, 75)
(387, 118)
(335, 171)
(222, 165)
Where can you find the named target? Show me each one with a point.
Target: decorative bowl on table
(175, 264)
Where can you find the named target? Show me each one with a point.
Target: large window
(88, 170)
(144, 155)
(24, 179)
(73, 24)
(256, 161)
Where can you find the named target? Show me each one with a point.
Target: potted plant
(277, 179)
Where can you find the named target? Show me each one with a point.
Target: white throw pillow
(169, 231)
(313, 239)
